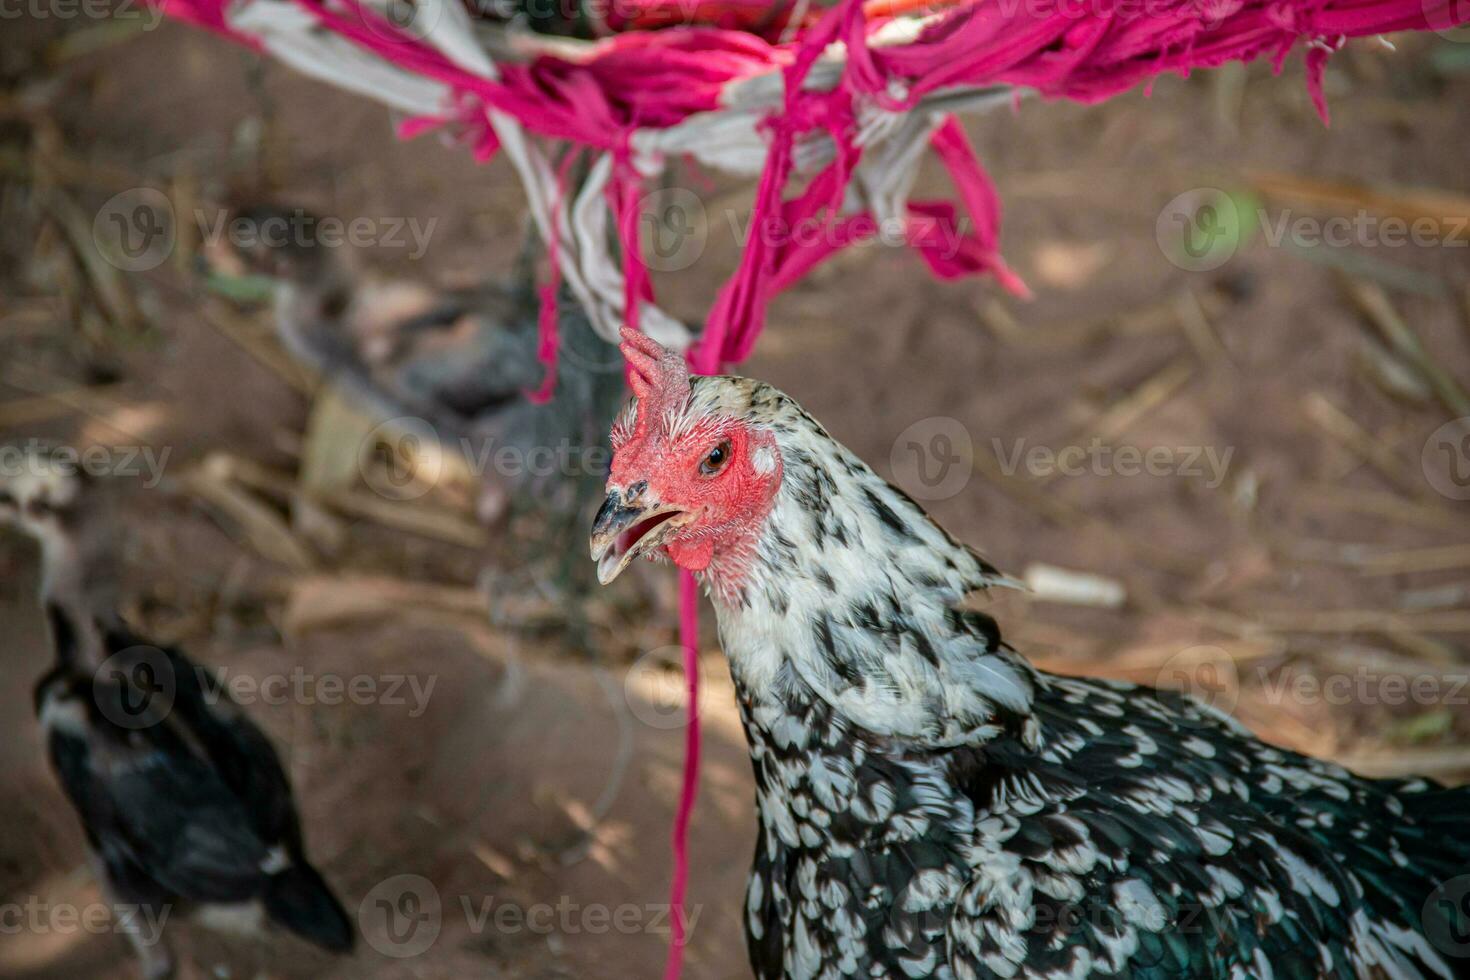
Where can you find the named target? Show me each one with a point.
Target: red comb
(657, 375)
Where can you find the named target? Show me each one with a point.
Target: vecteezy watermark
(570, 918)
(1210, 675)
(593, 11)
(675, 228)
(38, 458)
(36, 916)
(135, 688)
(300, 229)
(398, 21)
(403, 916)
(1445, 459)
(1450, 19)
(1366, 687)
(82, 10)
(1207, 12)
(1100, 459)
(657, 690)
(1362, 229)
(1203, 228)
(138, 687)
(404, 458)
(297, 686)
(1446, 917)
(137, 230)
(934, 458)
(1195, 918)
(821, 231)
(401, 458)
(1205, 673)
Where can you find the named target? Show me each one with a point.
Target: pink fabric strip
(548, 319)
(624, 191)
(658, 78)
(689, 640)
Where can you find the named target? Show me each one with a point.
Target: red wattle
(692, 556)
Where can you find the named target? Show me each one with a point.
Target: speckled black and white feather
(932, 806)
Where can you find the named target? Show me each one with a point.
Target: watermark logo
(933, 458)
(134, 230)
(571, 918)
(657, 691)
(1205, 227)
(135, 688)
(124, 10)
(1450, 19)
(1205, 673)
(1097, 458)
(1362, 229)
(39, 458)
(675, 228)
(400, 21)
(402, 916)
(143, 924)
(1445, 459)
(1446, 917)
(137, 230)
(404, 458)
(300, 230)
(401, 459)
(297, 686)
(1200, 229)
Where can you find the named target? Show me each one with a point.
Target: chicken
(930, 805)
(462, 360)
(183, 800)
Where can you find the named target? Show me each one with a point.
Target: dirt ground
(538, 773)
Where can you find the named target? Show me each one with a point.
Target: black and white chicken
(184, 803)
(931, 805)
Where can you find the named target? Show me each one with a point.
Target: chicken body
(930, 805)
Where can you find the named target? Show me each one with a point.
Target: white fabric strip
(728, 139)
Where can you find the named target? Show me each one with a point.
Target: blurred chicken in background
(462, 360)
(183, 800)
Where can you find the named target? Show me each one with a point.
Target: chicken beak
(631, 524)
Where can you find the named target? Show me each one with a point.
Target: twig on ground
(261, 527)
(1359, 441)
(1199, 331)
(1380, 504)
(1374, 303)
(415, 518)
(1436, 559)
(1118, 417)
(41, 408)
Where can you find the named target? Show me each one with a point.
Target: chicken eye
(716, 460)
